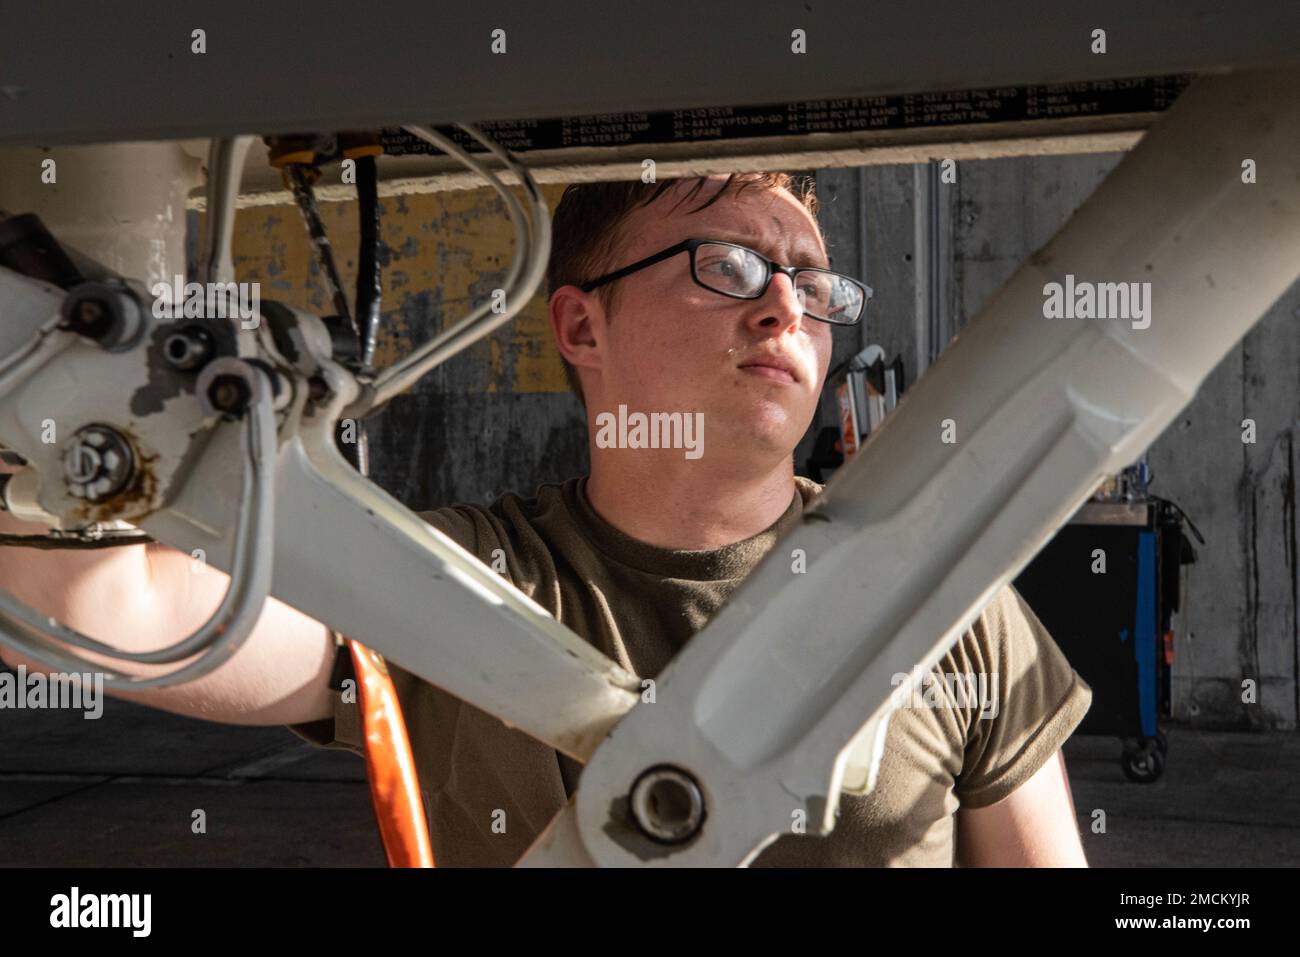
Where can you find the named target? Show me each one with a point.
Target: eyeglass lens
(735, 271)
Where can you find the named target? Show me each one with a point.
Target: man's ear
(578, 323)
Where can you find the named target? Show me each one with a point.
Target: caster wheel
(1143, 764)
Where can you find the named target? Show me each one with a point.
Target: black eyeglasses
(742, 273)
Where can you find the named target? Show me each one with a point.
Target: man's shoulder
(507, 509)
(1004, 625)
(1008, 617)
(514, 535)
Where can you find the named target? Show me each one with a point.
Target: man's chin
(767, 427)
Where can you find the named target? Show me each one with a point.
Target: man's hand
(1033, 826)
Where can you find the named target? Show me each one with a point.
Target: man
(637, 556)
(640, 554)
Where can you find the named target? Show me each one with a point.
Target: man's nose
(778, 308)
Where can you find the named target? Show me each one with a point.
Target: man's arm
(1033, 826)
(145, 597)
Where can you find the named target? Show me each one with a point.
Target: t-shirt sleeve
(1040, 700)
(343, 730)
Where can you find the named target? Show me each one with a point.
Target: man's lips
(774, 368)
(770, 372)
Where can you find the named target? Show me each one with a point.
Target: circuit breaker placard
(909, 111)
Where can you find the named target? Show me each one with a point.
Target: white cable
(531, 255)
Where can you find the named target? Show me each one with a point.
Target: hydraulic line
(531, 254)
(368, 268)
(299, 177)
(369, 277)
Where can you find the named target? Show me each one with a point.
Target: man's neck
(683, 505)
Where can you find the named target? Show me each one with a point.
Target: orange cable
(394, 784)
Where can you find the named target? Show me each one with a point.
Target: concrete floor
(122, 790)
(1225, 800)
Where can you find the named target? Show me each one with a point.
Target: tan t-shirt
(639, 604)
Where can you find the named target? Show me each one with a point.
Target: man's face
(673, 346)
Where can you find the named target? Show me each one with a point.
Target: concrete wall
(499, 417)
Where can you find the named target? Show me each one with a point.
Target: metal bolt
(97, 463)
(108, 313)
(91, 318)
(229, 394)
(188, 348)
(667, 805)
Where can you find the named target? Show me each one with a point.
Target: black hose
(368, 268)
(70, 540)
(365, 321)
(296, 177)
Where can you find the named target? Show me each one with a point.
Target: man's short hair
(586, 233)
